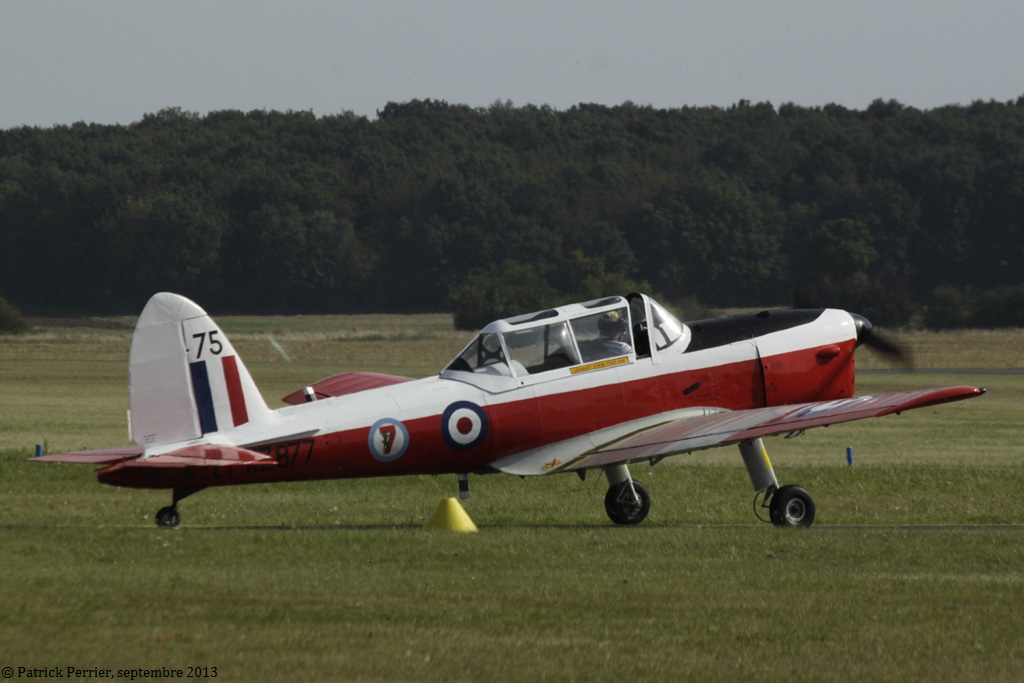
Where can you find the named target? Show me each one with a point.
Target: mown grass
(521, 603)
(913, 570)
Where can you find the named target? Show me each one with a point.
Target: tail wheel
(627, 502)
(168, 517)
(792, 506)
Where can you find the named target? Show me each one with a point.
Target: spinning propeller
(867, 335)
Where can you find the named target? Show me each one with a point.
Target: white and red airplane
(595, 385)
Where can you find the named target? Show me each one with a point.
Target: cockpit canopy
(571, 338)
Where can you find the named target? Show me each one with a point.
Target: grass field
(914, 569)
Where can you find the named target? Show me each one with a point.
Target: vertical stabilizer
(185, 379)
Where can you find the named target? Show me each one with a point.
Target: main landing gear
(787, 505)
(628, 502)
(168, 517)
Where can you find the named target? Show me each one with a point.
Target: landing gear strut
(168, 517)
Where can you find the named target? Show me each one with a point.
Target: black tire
(622, 507)
(167, 517)
(792, 506)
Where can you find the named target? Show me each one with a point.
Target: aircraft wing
(672, 436)
(345, 383)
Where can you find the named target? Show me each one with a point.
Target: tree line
(901, 214)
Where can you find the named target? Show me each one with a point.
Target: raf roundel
(464, 425)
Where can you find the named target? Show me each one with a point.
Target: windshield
(666, 328)
(661, 330)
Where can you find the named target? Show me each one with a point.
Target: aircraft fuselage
(450, 424)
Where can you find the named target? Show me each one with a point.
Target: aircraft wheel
(792, 506)
(167, 517)
(625, 508)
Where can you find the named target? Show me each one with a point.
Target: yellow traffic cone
(449, 516)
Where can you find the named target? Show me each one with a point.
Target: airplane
(596, 385)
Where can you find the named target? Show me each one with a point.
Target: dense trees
(11, 319)
(896, 212)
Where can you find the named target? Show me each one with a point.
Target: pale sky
(112, 61)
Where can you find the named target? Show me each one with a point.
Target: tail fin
(185, 379)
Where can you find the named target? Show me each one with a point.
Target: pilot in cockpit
(613, 326)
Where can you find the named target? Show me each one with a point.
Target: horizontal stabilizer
(102, 457)
(345, 383)
(206, 455)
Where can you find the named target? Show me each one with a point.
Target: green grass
(913, 570)
(334, 580)
(521, 603)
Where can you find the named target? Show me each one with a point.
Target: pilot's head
(612, 323)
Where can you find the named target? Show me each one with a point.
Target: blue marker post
(39, 450)
(849, 456)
